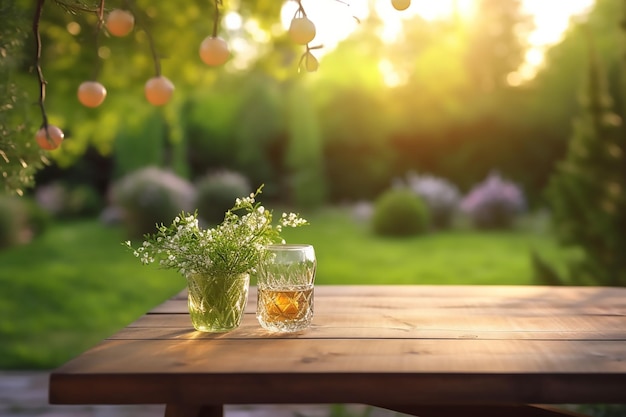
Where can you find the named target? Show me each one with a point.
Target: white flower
(234, 246)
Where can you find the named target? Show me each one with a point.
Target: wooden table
(422, 350)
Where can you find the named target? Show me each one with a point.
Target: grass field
(76, 284)
(349, 254)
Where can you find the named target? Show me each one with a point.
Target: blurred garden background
(455, 142)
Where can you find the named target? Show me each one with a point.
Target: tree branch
(140, 22)
(100, 14)
(42, 80)
(76, 7)
(216, 18)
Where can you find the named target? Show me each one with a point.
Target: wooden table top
(372, 345)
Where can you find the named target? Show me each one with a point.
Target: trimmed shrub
(12, 220)
(494, 203)
(149, 197)
(21, 220)
(399, 212)
(216, 192)
(440, 195)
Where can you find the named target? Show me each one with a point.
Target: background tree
(259, 125)
(304, 153)
(354, 115)
(381, 107)
(74, 51)
(497, 43)
(588, 191)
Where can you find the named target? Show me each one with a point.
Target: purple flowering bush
(52, 197)
(494, 203)
(151, 196)
(440, 195)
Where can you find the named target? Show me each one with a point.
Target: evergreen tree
(587, 193)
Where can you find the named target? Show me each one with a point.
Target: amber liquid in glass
(285, 310)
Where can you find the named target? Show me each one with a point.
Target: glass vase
(216, 303)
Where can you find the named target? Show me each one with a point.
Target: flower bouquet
(216, 262)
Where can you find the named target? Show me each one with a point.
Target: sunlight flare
(336, 20)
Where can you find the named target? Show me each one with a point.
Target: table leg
(481, 411)
(184, 410)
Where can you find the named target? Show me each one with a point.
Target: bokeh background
(467, 141)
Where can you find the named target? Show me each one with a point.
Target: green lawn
(77, 284)
(69, 289)
(349, 254)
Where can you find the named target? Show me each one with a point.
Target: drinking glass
(285, 280)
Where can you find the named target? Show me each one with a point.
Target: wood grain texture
(420, 323)
(514, 299)
(411, 345)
